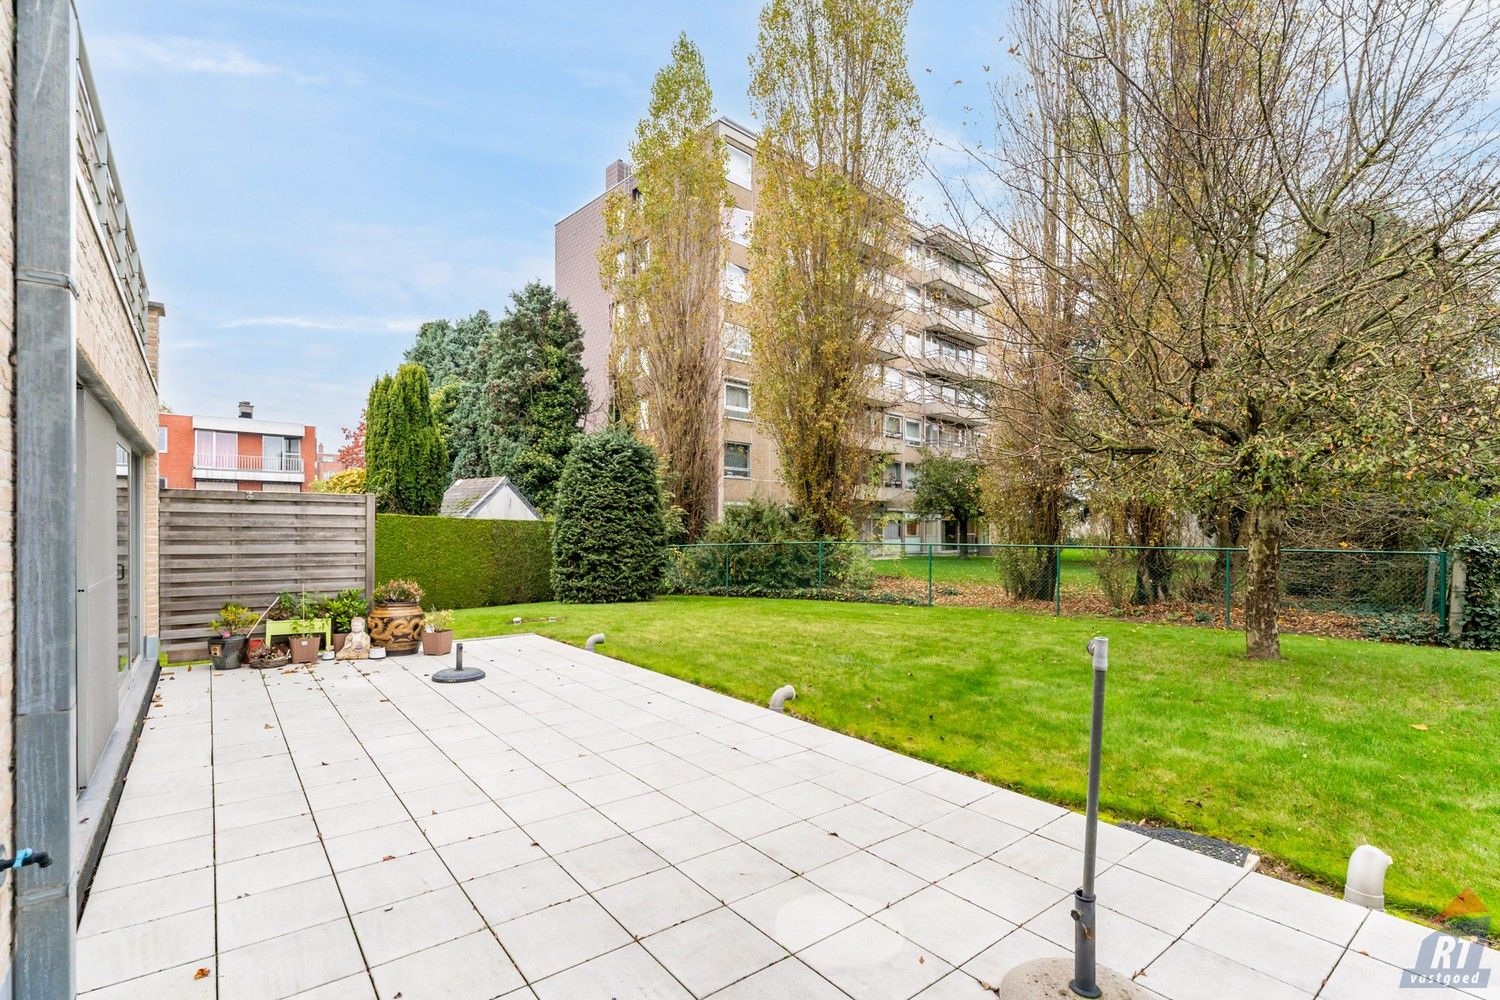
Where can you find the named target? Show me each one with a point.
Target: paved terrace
(574, 826)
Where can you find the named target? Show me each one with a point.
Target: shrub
(233, 619)
(348, 481)
(1481, 624)
(398, 591)
(609, 534)
(297, 607)
(345, 606)
(466, 563)
(743, 552)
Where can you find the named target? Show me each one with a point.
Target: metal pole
(929, 574)
(1056, 581)
(726, 569)
(1085, 981)
(1442, 591)
(820, 564)
(1228, 585)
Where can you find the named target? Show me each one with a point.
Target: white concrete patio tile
(802, 846)
(807, 799)
(561, 834)
(1359, 977)
(1046, 859)
(443, 798)
(654, 902)
(956, 985)
(1390, 939)
(319, 773)
(1122, 944)
(910, 805)
(786, 979)
(112, 909)
(409, 925)
(463, 824)
(928, 857)
(641, 811)
(141, 949)
(974, 831)
(356, 987)
(384, 882)
(734, 872)
(865, 881)
(1016, 809)
(749, 818)
(124, 868)
(856, 783)
(270, 871)
(707, 793)
(342, 793)
(1310, 912)
(179, 983)
(1115, 843)
(172, 803)
(229, 792)
(263, 810)
(1160, 904)
(524, 889)
(609, 862)
(290, 964)
(628, 973)
(951, 928)
(1276, 950)
(682, 839)
(1016, 948)
(470, 967)
(1186, 869)
(360, 816)
(272, 912)
(355, 850)
(1003, 891)
(797, 913)
(263, 838)
(870, 961)
(696, 954)
(860, 825)
(541, 947)
(608, 788)
(529, 807)
(1188, 972)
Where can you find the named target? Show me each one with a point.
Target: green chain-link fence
(1327, 591)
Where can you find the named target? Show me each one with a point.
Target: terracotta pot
(396, 625)
(339, 638)
(437, 643)
(304, 649)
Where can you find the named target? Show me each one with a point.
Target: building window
(737, 400)
(736, 461)
(739, 167)
(913, 298)
(281, 454)
(893, 425)
(736, 283)
(739, 226)
(911, 476)
(892, 477)
(736, 342)
(914, 432)
(216, 450)
(161, 440)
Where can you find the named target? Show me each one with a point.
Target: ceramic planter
(396, 626)
(304, 649)
(437, 643)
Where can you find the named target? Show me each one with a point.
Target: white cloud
(344, 323)
(183, 54)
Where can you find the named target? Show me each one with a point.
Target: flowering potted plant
(395, 621)
(229, 628)
(437, 634)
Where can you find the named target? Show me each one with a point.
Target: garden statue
(357, 646)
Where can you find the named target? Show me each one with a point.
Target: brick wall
(576, 278)
(176, 464)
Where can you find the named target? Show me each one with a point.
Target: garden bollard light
(1085, 979)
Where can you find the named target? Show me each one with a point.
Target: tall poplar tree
(839, 145)
(662, 262)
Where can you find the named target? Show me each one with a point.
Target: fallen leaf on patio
(389, 857)
(269, 726)
(1419, 725)
(201, 974)
(921, 959)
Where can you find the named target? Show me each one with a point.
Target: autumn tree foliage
(662, 262)
(839, 145)
(351, 453)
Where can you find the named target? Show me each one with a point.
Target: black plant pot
(231, 652)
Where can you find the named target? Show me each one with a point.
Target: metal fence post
(1056, 581)
(1085, 977)
(929, 574)
(1442, 591)
(1228, 585)
(820, 564)
(726, 569)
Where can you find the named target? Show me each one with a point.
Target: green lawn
(1078, 571)
(1302, 760)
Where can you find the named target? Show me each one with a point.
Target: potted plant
(298, 614)
(341, 609)
(305, 647)
(268, 657)
(437, 633)
(395, 621)
(229, 628)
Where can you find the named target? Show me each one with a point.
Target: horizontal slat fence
(219, 546)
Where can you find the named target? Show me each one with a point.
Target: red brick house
(236, 453)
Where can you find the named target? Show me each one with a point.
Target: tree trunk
(1264, 527)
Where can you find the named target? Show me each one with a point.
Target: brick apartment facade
(236, 453)
(924, 394)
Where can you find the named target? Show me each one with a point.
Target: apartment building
(927, 385)
(236, 453)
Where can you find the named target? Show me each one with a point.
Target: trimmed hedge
(466, 563)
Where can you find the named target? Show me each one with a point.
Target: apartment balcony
(272, 469)
(888, 492)
(953, 281)
(890, 345)
(962, 323)
(935, 358)
(953, 403)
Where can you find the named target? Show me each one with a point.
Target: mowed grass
(1077, 568)
(1302, 760)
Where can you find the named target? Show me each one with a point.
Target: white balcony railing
(247, 463)
(968, 362)
(964, 280)
(964, 322)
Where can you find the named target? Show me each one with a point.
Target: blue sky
(311, 180)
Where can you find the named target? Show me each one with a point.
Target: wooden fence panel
(219, 546)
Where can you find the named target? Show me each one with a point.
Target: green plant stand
(301, 626)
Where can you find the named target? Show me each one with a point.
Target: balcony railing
(966, 282)
(957, 362)
(964, 322)
(247, 463)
